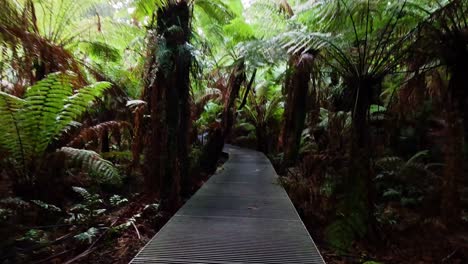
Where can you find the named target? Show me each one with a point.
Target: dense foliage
(361, 105)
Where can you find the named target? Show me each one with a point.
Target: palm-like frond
(273, 108)
(405, 169)
(101, 50)
(36, 47)
(91, 161)
(215, 9)
(205, 95)
(51, 106)
(297, 42)
(44, 101)
(95, 132)
(148, 7)
(31, 125)
(11, 141)
(63, 21)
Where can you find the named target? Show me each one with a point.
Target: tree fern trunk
(235, 82)
(168, 89)
(297, 87)
(453, 150)
(105, 141)
(361, 200)
(214, 147)
(261, 132)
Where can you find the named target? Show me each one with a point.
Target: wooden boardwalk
(241, 215)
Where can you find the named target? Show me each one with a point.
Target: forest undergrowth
(114, 112)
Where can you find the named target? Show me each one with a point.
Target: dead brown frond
(96, 132)
(31, 55)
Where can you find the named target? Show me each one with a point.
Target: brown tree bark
(453, 152)
(214, 146)
(297, 90)
(168, 87)
(236, 80)
(360, 178)
(453, 149)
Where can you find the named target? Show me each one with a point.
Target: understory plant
(33, 128)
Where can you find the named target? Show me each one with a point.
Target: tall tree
(215, 144)
(445, 38)
(167, 88)
(368, 43)
(297, 91)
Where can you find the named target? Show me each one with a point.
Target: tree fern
(51, 106)
(30, 126)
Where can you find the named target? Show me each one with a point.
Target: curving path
(240, 215)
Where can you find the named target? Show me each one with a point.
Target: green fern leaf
(12, 138)
(216, 10)
(92, 162)
(44, 101)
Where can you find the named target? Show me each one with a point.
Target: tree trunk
(211, 151)
(105, 141)
(360, 200)
(297, 87)
(168, 88)
(261, 132)
(235, 82)
(214, 147)
(453, 150)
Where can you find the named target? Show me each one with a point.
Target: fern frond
(95, 132)
(79, 103)
(301, 41)
(204, 96)
(273, 108)
(148, 7)
(101, 50)
(92, 162)
(251, 114)
(390, 163)
(29, 126)
(44, 101)
(416, 157)
(82, 191)
(11, 140)
(215, 9)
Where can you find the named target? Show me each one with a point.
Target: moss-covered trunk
(168, 88)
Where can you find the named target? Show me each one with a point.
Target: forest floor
(38, 236)
(416, 239)
(123, 248)
(421, 244)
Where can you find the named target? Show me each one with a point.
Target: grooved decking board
(240, 215)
